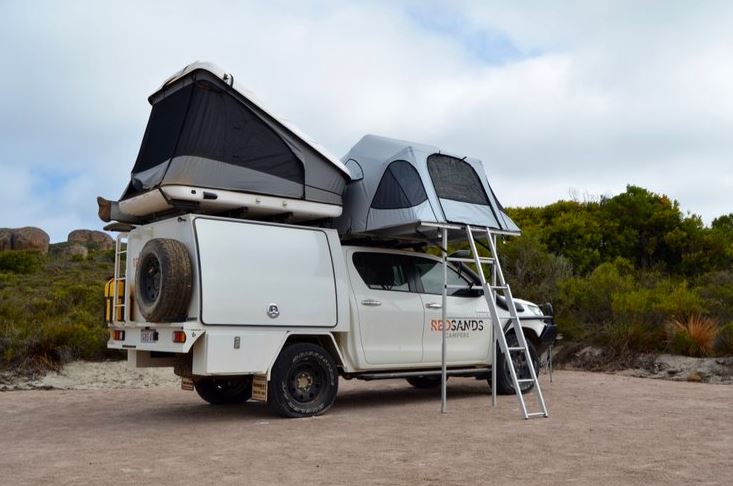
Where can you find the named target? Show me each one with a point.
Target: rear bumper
(163, 339)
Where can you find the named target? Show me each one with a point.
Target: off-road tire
(430, 381)
(304, 381)
(504, 385)
(163, 281)
(224, 390)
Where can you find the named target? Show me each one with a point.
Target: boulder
(93, 240)
(69, 250)
(6, 239)
(27, 238)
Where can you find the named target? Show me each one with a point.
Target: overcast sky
(557, 98)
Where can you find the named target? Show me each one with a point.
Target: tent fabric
(205, 131)
(397, 185)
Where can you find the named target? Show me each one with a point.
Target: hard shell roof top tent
(399, 186)
(210, 146)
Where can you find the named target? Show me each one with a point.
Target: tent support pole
(444, 304)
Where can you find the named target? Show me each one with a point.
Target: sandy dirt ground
(603, 429)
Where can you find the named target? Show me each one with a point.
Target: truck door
(390, 312)
(468, 319)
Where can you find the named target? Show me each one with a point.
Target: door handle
(371, 302)
(433, 305)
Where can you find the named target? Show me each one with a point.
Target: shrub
(54, 315)
(724, 343)
(24, 262)
(716, 288)
(627, 338)
(694, 336)
(584, 305)
(534, 272)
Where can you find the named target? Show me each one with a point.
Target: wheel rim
(305, 382)
(150, 276)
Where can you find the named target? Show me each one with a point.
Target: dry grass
(693, 336)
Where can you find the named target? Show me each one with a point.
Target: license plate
(148, 336)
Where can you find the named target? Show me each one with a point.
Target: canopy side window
(399, 188)
(455, 179)
(382, 271)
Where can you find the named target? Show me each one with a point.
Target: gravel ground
(603, 429)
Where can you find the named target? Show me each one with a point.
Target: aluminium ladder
(119, 299)
(491, 288)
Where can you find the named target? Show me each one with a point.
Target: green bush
(533, 272)
(23, 262)
(716, 290)
(724, 343)
(622, 339)
(54, 314)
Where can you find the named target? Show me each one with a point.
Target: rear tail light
(118, 335)
(179, 337)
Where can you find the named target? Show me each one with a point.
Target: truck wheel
(430, 381)
(304, 381)
(164, 280)
(220, 391)
(504, 385)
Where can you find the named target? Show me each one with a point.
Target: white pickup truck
(247, 309)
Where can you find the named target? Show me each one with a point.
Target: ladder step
(516, 348)
(454, 286)
(536, 414)
(525, 380)
(498, 287)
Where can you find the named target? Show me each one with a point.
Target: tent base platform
(419, 232)
(162, 200)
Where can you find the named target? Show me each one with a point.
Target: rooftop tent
(397, 186)
(205, 132)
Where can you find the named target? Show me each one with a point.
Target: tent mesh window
(221, 128)
(399, 188)
(205, 121)
(455, 179)
(164, 127)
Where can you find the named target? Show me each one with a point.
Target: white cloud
(601, 94)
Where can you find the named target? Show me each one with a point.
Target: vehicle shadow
(358, 398)
(393, 397)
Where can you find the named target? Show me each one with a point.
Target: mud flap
(259, 388)
(187, 384)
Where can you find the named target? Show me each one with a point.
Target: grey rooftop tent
(207, 132)
(398, 186)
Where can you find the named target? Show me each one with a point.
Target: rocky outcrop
(68, 250)
(27, 238)
(91, 239)
(6, 239)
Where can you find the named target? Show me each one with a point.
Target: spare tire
(163, 281)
